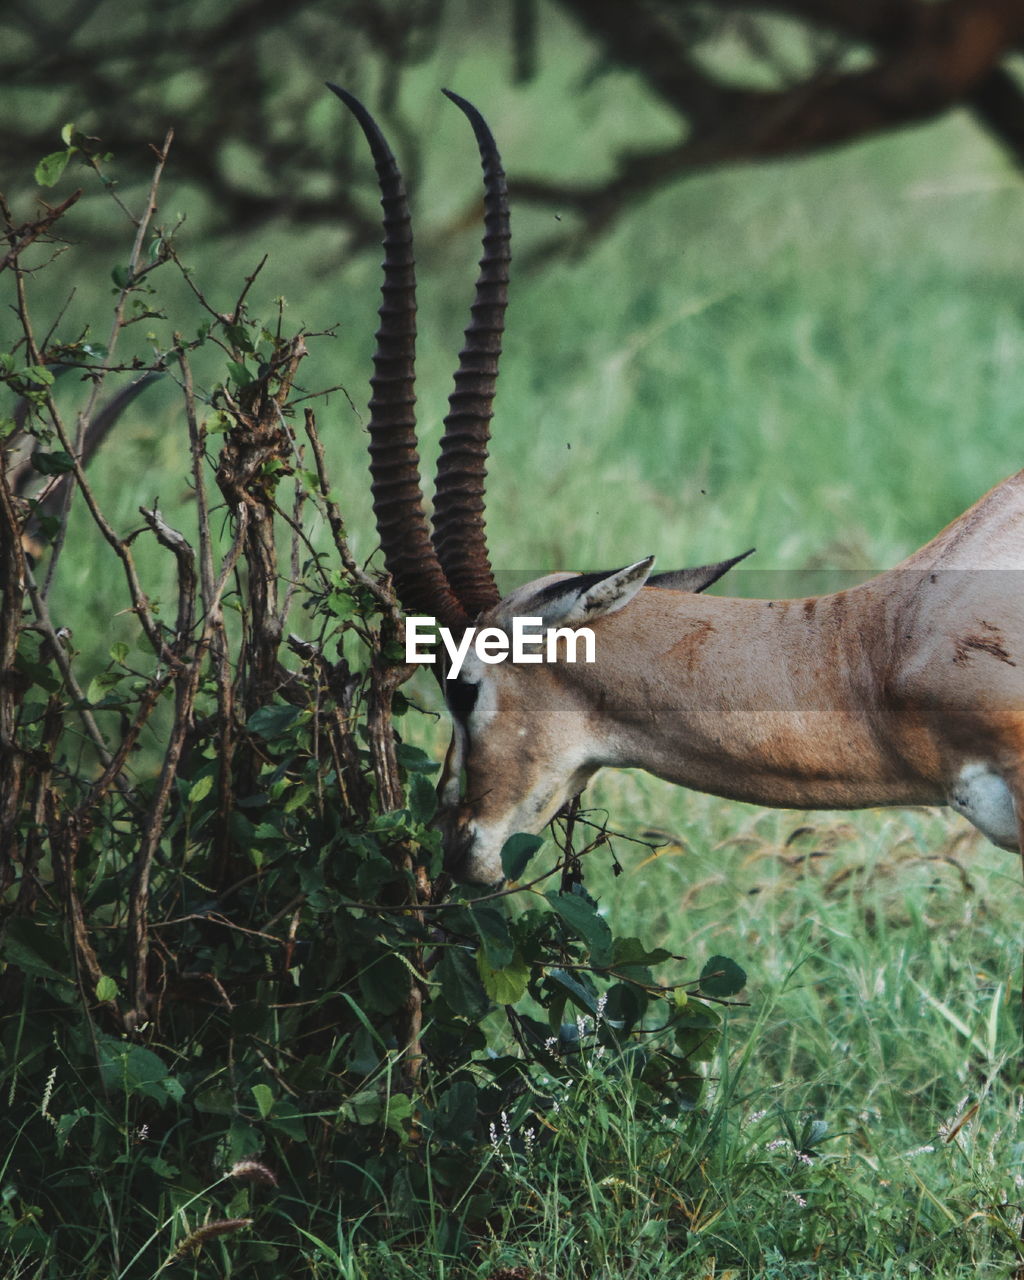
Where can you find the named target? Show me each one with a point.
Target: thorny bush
(235, 1008)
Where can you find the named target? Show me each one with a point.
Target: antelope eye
(461, 697)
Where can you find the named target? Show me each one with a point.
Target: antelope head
(508, 769)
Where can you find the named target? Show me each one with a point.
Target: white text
(529, 641)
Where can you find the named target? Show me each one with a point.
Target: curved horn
(459, 534)
(419, 580)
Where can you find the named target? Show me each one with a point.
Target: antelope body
(908, 689)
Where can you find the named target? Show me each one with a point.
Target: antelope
(905, 690)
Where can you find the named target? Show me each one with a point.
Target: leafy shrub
(239, 1017)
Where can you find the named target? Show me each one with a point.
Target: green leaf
(722, 977)
(384, 985)
(581, 995)
(240, 375)
(288, 1119)
(697, 1031)
(274, 721)
(217, 1100)
(343, 605)
(267, 834)
(630, 951)
(98, 690)
(814, 1132)
(200, 789)
(580, 915)
(50, 169)
(52, 464)
(119, 652)
(414, 759)
(455, 1114)
(506, 984)
(238, 336)
(422, 798)
(373, 873)
(626, 1005)
(66, 1123)
(398, 1114)
(264, 1099)
(67, 133)
(106, 989)
(365, 1107)
(32, 663)
(461, 985)
(517, 851)
(35, 950)
(492, 926)
(135, 1070)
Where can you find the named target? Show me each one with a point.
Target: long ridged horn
(459, 534)
(420, 582)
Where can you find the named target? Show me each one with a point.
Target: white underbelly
(981, 795)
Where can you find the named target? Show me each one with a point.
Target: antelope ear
(575, 601)
(698, 579)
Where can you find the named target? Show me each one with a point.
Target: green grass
(881, 1012)
(826, 359)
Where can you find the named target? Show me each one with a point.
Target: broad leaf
(516, 852)
(505, 985)
(461, 985)
(55, 463)
(491, 925)
(273, 721)
(580, 914)
(49, 170)
(722, 977)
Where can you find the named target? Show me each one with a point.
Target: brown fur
(878, 695)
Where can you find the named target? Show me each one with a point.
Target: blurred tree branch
(926, 57)
(243, 76)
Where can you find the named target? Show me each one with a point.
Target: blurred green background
(819, 356)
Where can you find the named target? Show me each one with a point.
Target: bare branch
(21, 237)
(384, 596)
(142, 224)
